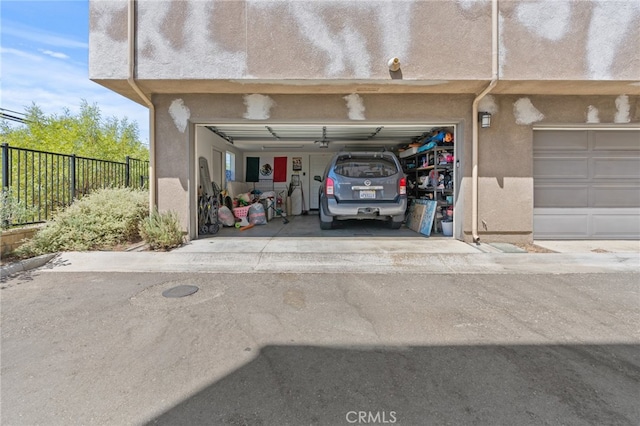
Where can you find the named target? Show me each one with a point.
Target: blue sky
(44, 54)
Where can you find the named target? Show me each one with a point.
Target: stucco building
(237, 79)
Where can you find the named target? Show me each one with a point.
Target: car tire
(394, 223)
(326, 221)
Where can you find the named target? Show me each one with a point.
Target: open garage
(281, 160)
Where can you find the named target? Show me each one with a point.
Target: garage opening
(586, 183)
(274, 164)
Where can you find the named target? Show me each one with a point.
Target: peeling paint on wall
(623, 110)
(347, 49)
(197, 51)
(593, 115)
(547, 19)
(468, 4)
(355, 106)
(525, 113)
(610, 22)
(180, 114)
(108, 49)
(488, 104)
(258, 107)
(502, 48)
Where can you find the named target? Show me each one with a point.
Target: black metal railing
(41, 182)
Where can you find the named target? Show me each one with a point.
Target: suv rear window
(365, 167)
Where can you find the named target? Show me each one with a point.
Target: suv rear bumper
(333, 208)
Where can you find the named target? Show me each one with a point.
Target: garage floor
(309, 226)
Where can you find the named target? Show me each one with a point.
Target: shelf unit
(435, 166)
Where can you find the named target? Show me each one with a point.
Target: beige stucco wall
(197, 59)
(505, 149)
(505, 208)
(193, 46)
(569, 40)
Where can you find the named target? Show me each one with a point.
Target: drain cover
(180, 291)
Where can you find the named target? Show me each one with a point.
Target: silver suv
(363, 185)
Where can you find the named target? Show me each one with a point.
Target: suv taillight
(328, 189)
(403, 186)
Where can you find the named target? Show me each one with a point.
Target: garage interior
(231, 147)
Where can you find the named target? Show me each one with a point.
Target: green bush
(100, 220)
(162, 231)
(13, 211)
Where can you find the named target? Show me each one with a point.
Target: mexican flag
(266, 168)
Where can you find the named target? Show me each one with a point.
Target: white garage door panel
(560, 223)
(616, 168)
(616, 225)
(561, 196)
(586, 184)
(610, 196)
(561, 167)
(625, 140)
(586, 223)
(560, 140)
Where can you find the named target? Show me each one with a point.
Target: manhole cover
(180, 291)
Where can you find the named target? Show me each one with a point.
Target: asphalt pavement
(95, 348)
(326, 331)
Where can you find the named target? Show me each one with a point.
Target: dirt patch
(599, 250)
(532, 248)
(8, 258)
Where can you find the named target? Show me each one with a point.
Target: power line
(13, 116)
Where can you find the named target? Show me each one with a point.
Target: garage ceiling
(313, 137)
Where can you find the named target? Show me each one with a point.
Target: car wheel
(326, 221)
(395, 222)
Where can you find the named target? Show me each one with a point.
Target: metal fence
(41, 183)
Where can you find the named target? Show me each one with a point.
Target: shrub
(100, 220)
(162, 231)
(13, 211)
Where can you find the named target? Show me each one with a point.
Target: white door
(586, 184)
(317, 164)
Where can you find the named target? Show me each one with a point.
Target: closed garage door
(586, 184)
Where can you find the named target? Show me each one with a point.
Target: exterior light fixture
(485, 119)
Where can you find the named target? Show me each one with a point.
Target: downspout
(474, 119)
(131, 38)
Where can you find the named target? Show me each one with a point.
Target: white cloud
(38, 35)
(54, 85)
(20, 53)
(58, 55)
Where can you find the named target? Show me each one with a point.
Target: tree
(42, 183)
(85, 134)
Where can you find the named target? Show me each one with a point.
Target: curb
(27, 264)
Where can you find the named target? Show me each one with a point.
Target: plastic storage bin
(447, 228)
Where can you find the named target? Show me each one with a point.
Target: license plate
(368, 194)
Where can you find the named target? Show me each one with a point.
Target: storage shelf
(434, 149)
(415, 173)
(430, 189)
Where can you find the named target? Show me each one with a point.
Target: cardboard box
(407, 152)
(421, 215)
